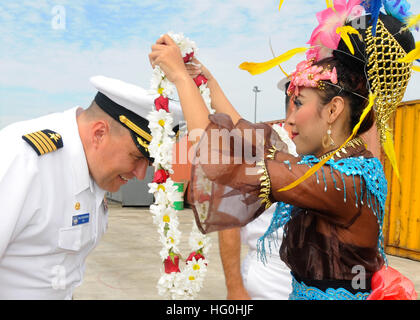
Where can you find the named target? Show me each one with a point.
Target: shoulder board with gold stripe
(44, 141)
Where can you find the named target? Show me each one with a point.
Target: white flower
(168, 88)
(172, 238)
(165, 284)
(198, 241)
(187, 283)
(161, 199)
(160, 120)
(180, 290)
(198, 267)
(157, 77)
(185, 45)
(153, 188)
(168, 216)
(194, 272)
(205, 93)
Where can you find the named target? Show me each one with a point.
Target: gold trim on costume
(135, 128)
(265, 190)
(272, 153)
(352, 143)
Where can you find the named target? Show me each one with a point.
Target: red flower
(200, 79)
(162, 103)
(390, 284)
(195, 255)
(189, 57)
(160, 176)
(172, 266)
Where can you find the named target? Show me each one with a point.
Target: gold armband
(265, 190)
(272, 153)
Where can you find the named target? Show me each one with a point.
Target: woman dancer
(333, 217)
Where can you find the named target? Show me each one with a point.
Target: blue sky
(46, 69)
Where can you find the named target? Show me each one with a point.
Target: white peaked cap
(130, 105)
(134, 98)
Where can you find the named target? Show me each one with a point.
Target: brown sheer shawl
(326, 238)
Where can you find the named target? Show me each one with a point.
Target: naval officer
(54, 172)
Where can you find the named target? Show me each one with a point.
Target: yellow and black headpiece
(130, 105)
(377, 55)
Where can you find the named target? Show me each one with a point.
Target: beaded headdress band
(308, 75)
(388, 77)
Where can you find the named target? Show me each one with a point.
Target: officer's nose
(141, 168)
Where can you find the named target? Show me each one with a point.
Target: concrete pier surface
(126, 264)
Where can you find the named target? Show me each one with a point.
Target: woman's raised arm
(166, 54)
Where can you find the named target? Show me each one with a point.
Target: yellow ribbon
(412, 55)
(330, 4)
(258, 68)
(411, 21)
(389, 149)
(344, 32)
(281, 3)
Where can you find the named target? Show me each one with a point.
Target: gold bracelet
(272, 153)
(265, 185)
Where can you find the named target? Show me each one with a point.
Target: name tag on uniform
(80, 219)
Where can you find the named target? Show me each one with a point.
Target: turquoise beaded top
(370, 170)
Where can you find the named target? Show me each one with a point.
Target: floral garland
(174, 282)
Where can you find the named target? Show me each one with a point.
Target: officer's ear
(99, 132)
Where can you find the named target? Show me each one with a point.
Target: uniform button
(77, 206)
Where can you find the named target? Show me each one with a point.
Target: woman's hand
(166, 54)
(195, 68)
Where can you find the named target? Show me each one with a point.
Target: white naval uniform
(269, 281)
(42, 254)
(272, 280)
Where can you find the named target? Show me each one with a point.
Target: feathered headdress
(399, 9)
(384, 55)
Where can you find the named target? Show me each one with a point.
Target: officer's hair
(95, 113)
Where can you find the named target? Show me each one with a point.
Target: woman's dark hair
(352, 87)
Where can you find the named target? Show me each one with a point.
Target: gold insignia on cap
(44, 141)
(143, 144)
(135, 128)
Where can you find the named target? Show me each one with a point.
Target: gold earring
(327, 140)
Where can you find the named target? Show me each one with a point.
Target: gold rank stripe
(47, 141)
(40, 141)
(35, 143)
(135, 128)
